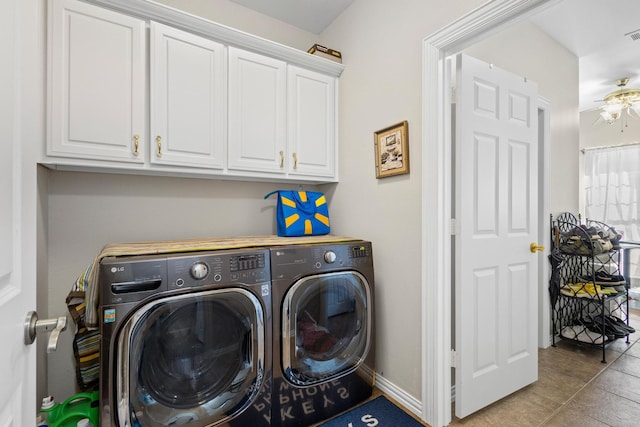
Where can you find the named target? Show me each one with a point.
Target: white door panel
(496, 209)
(17, 208)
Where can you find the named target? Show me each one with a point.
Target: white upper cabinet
(97, 81)
(257, 112)
(299, 140)
(207, 104)
(187, 100)
(312, 118)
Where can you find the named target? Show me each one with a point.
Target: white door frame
(437, 193)
(544, 237)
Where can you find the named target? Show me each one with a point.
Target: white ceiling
(310, 15)
(598, 32)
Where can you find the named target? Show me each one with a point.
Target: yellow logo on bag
(288, 202)
(323, 219)
(291, 219)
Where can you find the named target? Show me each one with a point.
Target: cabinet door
(257, 115)
(96, 82)
(312, 109)
(188, 99)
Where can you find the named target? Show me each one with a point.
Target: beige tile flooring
(574, 388)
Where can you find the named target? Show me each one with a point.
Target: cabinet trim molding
(156, 12)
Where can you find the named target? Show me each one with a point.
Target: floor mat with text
(377, 412)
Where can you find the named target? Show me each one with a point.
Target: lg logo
(368, 420)
(117, 269)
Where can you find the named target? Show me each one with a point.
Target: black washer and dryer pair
(279, 336)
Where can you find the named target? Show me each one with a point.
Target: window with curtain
(612, 195)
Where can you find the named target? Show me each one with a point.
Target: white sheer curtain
(612, 193)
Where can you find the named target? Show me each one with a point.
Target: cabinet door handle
(136, 144)
(281, 159)
(159, 143)
(295, 161)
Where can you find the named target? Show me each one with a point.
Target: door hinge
(453, 94)
(454, 359)
(452, 226)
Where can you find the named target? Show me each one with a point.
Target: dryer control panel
(307, 259)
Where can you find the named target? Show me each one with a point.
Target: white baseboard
(402, 397)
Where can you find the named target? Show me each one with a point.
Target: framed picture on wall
(392, 150)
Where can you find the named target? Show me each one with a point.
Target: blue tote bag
(301, 213)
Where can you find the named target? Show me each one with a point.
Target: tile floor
(574, 389)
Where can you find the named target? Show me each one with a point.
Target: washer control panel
(217, 267)
(130, 279)
(247, 262)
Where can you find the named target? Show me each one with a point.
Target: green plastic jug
(75, 408)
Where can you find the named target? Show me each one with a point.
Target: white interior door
(496, 205)
(17, 295)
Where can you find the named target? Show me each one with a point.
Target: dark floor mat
(378, 412)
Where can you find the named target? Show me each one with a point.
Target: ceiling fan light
(613, 109)
(619, 101)
(606, 116)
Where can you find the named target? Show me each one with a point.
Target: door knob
(533, 247)
(33, 326)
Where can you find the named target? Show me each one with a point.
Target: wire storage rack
(589, 296)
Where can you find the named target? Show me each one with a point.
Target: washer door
(194, 359)
(326, 327)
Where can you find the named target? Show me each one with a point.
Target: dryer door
(194, 359)
(326, 327)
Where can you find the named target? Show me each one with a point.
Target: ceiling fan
(620, 101)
